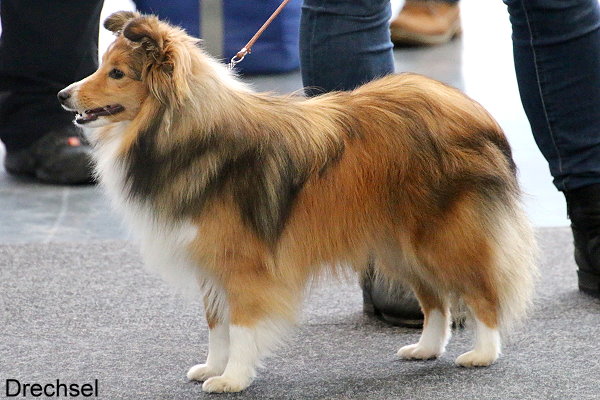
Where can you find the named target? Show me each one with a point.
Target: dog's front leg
(218, 354)
(260, 316)
(241, 367)
(217, 317)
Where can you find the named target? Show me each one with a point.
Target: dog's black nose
(63, 95)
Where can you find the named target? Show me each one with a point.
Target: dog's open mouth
(93, 114)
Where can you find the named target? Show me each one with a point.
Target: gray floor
(79, 313)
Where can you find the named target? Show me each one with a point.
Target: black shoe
(583, 207)
(60, 157)
(397, 305)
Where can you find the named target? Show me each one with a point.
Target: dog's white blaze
(73, 88)
(74, 105)
(433, 341)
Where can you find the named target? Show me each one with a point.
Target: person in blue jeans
(345, 43)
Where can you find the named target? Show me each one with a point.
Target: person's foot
(424, 23)
(59, 157)
(583, 207)
(395, 305)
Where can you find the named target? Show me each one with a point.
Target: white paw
(221, 384)
(202, 372)
(418, 352)
(476, 358)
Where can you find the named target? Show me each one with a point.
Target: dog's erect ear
(116, 21)
(146, 32)
(168, 60)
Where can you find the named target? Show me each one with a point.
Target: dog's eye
(116, 73)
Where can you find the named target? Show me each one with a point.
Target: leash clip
(247, 48)
(238, 58)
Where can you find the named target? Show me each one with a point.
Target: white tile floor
(480, 63)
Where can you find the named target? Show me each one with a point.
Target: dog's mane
(200, 121)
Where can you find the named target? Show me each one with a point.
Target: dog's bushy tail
(516, 263)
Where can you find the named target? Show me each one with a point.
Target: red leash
(247, 49)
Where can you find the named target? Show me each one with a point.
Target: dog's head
(148, 59)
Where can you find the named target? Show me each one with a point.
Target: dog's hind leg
(436, 327)
(487, 335)
(218, 340)
(498, 289)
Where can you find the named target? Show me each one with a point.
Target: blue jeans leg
(557, 59)
(344, 43)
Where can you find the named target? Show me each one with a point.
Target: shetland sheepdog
(252, 195)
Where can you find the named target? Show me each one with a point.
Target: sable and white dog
(251, 195)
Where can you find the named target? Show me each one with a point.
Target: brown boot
(424, 23)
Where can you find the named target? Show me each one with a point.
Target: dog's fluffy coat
(251, 195)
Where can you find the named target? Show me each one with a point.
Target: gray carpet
(82, 312)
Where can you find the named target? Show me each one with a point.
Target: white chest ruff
(164, 244)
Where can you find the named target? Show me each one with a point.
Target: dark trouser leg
(45, 45)
(557, 60)
(344, 43)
